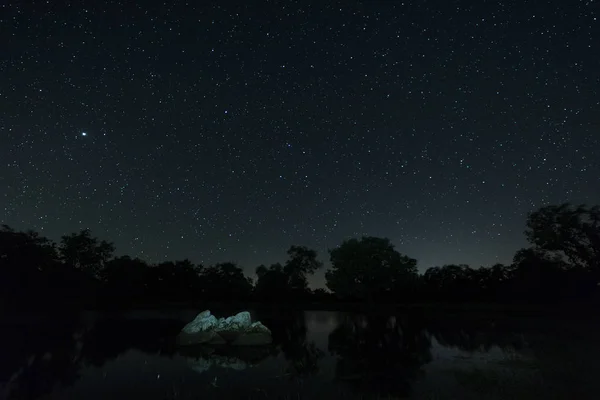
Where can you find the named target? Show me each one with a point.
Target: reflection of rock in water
(202, 358)
(201, 365)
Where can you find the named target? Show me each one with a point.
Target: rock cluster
(237, 330)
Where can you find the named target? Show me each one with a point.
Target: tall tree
(444, 283)
(272, 283)
(30, 271)
(302, 262)
(225, 281)
(27, 262)
(369, 268)
(177, 281)
(288, 282)
(126, 280)
(28, 249)
(570, 231)
(82, 250)
(462, 283)
(540, 276)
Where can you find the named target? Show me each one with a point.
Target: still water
(316, 354)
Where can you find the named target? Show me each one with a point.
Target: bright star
(83, 133)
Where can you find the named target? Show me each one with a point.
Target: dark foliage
(32, 275)
(225, 282)
(561, 266)
(287, 282)
(83, 251)
(572, 232)
(370, 269)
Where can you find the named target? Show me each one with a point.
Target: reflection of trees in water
(567, 355)
(556, 358)
(112, 337)
(374, 353)
(36, 358)
(474, 334)
(379, 354)
(289, 334)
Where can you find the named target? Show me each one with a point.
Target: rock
(252, 339)
(231, 328)
(256, 335)
(200, 330)
(257, 327)
(237, 330)
(217, 339)
(229, 336)
(239, 322)
(202, 323)
(212, 337)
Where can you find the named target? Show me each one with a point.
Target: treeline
(561, 265)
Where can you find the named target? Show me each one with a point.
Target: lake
(316, 354)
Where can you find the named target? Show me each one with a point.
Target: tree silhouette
(82, 250)
(369, 268)
(561, 266)
(462, 283)
(542, 277)
(272, 283)
(570, 231)
(302, 261)
(321, 295)
(225, 282)
(176, 281)
(31, 274)
(287, 282)
(28, 248)
(126, 281)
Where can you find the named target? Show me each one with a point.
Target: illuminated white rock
(202, 323)
(239, 322)
(237, 330)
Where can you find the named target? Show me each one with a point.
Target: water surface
(316, 354)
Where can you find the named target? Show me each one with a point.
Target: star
(271, 143)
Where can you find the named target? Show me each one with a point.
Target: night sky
(230, 132)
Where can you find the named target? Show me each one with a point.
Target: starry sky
(221, 131)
